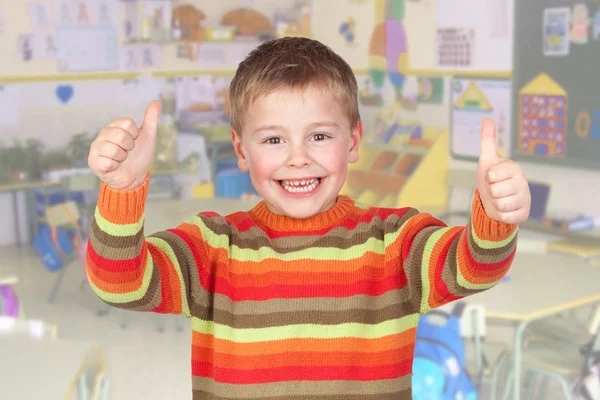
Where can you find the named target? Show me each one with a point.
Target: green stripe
(318, 253)
(122, 298)
(491, 244)
(426, 284)
(304, 331)
(114, 229)
(168, 251)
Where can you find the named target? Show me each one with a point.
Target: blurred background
(429, 71)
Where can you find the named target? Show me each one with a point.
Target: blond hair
(292, 62)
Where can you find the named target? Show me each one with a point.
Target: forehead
(293, 104)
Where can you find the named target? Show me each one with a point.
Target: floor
(144, 362)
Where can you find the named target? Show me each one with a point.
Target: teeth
(303, 186)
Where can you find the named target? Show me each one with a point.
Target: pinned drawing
(556, 31)
(580, 24)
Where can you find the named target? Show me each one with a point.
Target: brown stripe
(257, 308)
(150, 300)
(392, 389)
(485, 256)
(115, 247)
(413, 265)
(197, 297)
(399, 395)
(339, 238)
(450, 272)
(356, 315)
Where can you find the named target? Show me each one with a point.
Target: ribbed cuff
(124, 202)
(487, 228)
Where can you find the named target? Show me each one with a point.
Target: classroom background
(429, 71)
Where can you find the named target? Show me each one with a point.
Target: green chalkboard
(556, 82)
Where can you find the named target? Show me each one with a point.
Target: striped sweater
(322, 308)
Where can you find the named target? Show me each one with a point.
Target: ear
(357, 134)
(239, 151)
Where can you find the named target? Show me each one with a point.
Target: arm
(159, 273)
(442, 263)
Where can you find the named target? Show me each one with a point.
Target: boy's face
(297, 145)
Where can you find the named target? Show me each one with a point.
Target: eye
(320, 137)
(273, 140)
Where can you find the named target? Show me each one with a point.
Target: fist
(122, 153)
(503, 188)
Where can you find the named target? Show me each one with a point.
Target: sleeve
(159, 273)
(444, 263)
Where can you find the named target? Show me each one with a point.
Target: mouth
(300, 186)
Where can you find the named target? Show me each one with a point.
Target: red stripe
(494, 267)
(106, 264)
(440, 286)
(367, 287)
(300, 373)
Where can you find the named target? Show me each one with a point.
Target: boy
(307, 295)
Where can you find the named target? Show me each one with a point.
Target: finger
(504, 170)
(102, 165)
(488, 139)
(150, 124)
(117, 136)
(109, 150)
(507, 187)
(514, 217)
(127, 124)
(509, 203)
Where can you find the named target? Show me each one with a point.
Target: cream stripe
(118, 229)
(355, 330)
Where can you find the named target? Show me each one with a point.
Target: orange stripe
(487, 228)
(305, 278)
(470, 273)
(169, 280)
(120, 218)
(304, 358)
(114, 282)
(337, 345)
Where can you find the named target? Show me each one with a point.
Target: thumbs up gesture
(503, 189)
(122, 153)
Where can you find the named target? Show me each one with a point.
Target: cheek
(263, 166)
(335, 160)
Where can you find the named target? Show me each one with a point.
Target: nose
(298, 157)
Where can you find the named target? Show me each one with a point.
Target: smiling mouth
(301, 185)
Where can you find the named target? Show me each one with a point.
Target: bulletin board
(556, 101)
(478, 40)
(473, 100)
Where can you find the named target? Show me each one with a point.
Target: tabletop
(39, 368)
(8, 274)
(540, 285)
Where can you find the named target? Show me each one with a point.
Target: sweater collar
(261, 213)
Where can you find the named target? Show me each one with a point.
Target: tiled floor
(144, 363)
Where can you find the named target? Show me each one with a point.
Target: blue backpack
(439, 371)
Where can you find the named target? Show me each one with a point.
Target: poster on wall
(86, 49)
(472, 101)
(556, 31)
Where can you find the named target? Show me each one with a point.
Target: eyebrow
(281, 128)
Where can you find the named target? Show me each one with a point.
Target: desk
(27, 187)
(569, 282)
(41, 368)
(8, 275)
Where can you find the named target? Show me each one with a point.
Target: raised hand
(503, 188)
(122, 153)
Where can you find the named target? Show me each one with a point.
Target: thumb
(488, 148)
(150, 124)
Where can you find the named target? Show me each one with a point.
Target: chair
(555, 357)
(91, 381)
(484, 360)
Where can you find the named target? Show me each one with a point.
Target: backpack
(439, 371)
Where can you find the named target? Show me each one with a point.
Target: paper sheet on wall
(87, 49)
(194, 92)
(41, 16)
(141, 92)
(2, 22)
(472, 101)
(10, 103)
